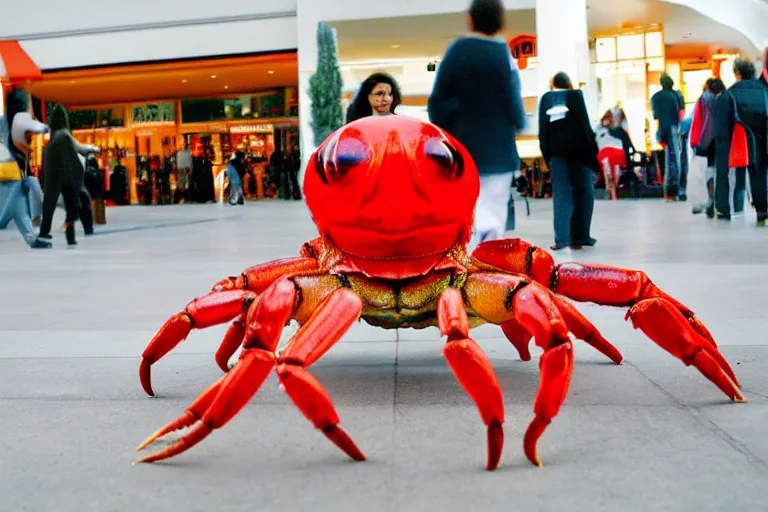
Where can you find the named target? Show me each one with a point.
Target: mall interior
(212, 80)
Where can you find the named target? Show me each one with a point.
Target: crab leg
(219, 404)
(498, 298)
(222, 401)
(584, 330)
(323, 330)
(577, 324)
(212, 309)
(473, 370)
(666, 325)
(232, 340)
(589, 282)
(519, 337)
(255, 280)
(259, 277)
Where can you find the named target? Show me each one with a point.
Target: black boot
(71, 233)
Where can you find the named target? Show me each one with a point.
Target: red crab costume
(393, 201)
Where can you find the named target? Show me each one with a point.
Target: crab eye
(448, 159)
(339, 157)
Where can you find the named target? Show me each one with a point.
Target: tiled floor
(648, 435)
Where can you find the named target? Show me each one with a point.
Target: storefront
(143, 115)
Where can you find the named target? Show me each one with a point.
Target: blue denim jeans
(14, 207)
(672, 161)
(573, 197)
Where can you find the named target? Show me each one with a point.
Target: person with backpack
(16, 130)
(741, 122)
(569, 146)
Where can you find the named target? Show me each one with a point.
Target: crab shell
(394, 194)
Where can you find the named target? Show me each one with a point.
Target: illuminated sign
(252, 128)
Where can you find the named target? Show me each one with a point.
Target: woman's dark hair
(487, 16)
(361, 107)
(59, 119)
(744, 68)
(562, 81)
(715, 86)
(15, 103)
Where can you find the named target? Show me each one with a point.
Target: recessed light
(271, 72)
(226, 87)
(213, 76)
(395, 46)
(184, 81)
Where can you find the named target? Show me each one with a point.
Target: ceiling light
(184, 81)
(395, 46)
(213, 76)
(271, 72)
(226, 87)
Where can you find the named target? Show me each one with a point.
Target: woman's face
(381, 98)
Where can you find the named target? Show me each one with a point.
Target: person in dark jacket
(379, 95)
(749, 97)
(569, 147)
(64, 173)
(477, 99)
(667, 104)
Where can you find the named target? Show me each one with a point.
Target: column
(562, 42)
(307, 32)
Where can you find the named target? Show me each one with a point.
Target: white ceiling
(429, 36)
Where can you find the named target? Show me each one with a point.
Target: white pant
(492, 208)
(698, 174)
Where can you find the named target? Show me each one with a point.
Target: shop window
(605, 48)
(154, 113)
(654, 44)
(88, 118)
(201, 110)
(655, 65)
(630, 47)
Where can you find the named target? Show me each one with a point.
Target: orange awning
(16, 65)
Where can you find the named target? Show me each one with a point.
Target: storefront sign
(253, 128)
(154, 113)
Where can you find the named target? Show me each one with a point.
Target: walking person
(64, 175)
(667, 104)
(569, 147)
(477, 99)
(235, 171)
(702, 143)
(744, 103)
(16, 130)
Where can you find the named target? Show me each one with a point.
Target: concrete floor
(648, 435)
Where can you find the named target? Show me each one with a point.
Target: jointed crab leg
(232, 340)
(216, 308)
(217, 405)
(265, 323)
(324, 329)
(498, 298)
(589, 282)
(473, 370)
(259, 277)
(584, 330)
(212, 309)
